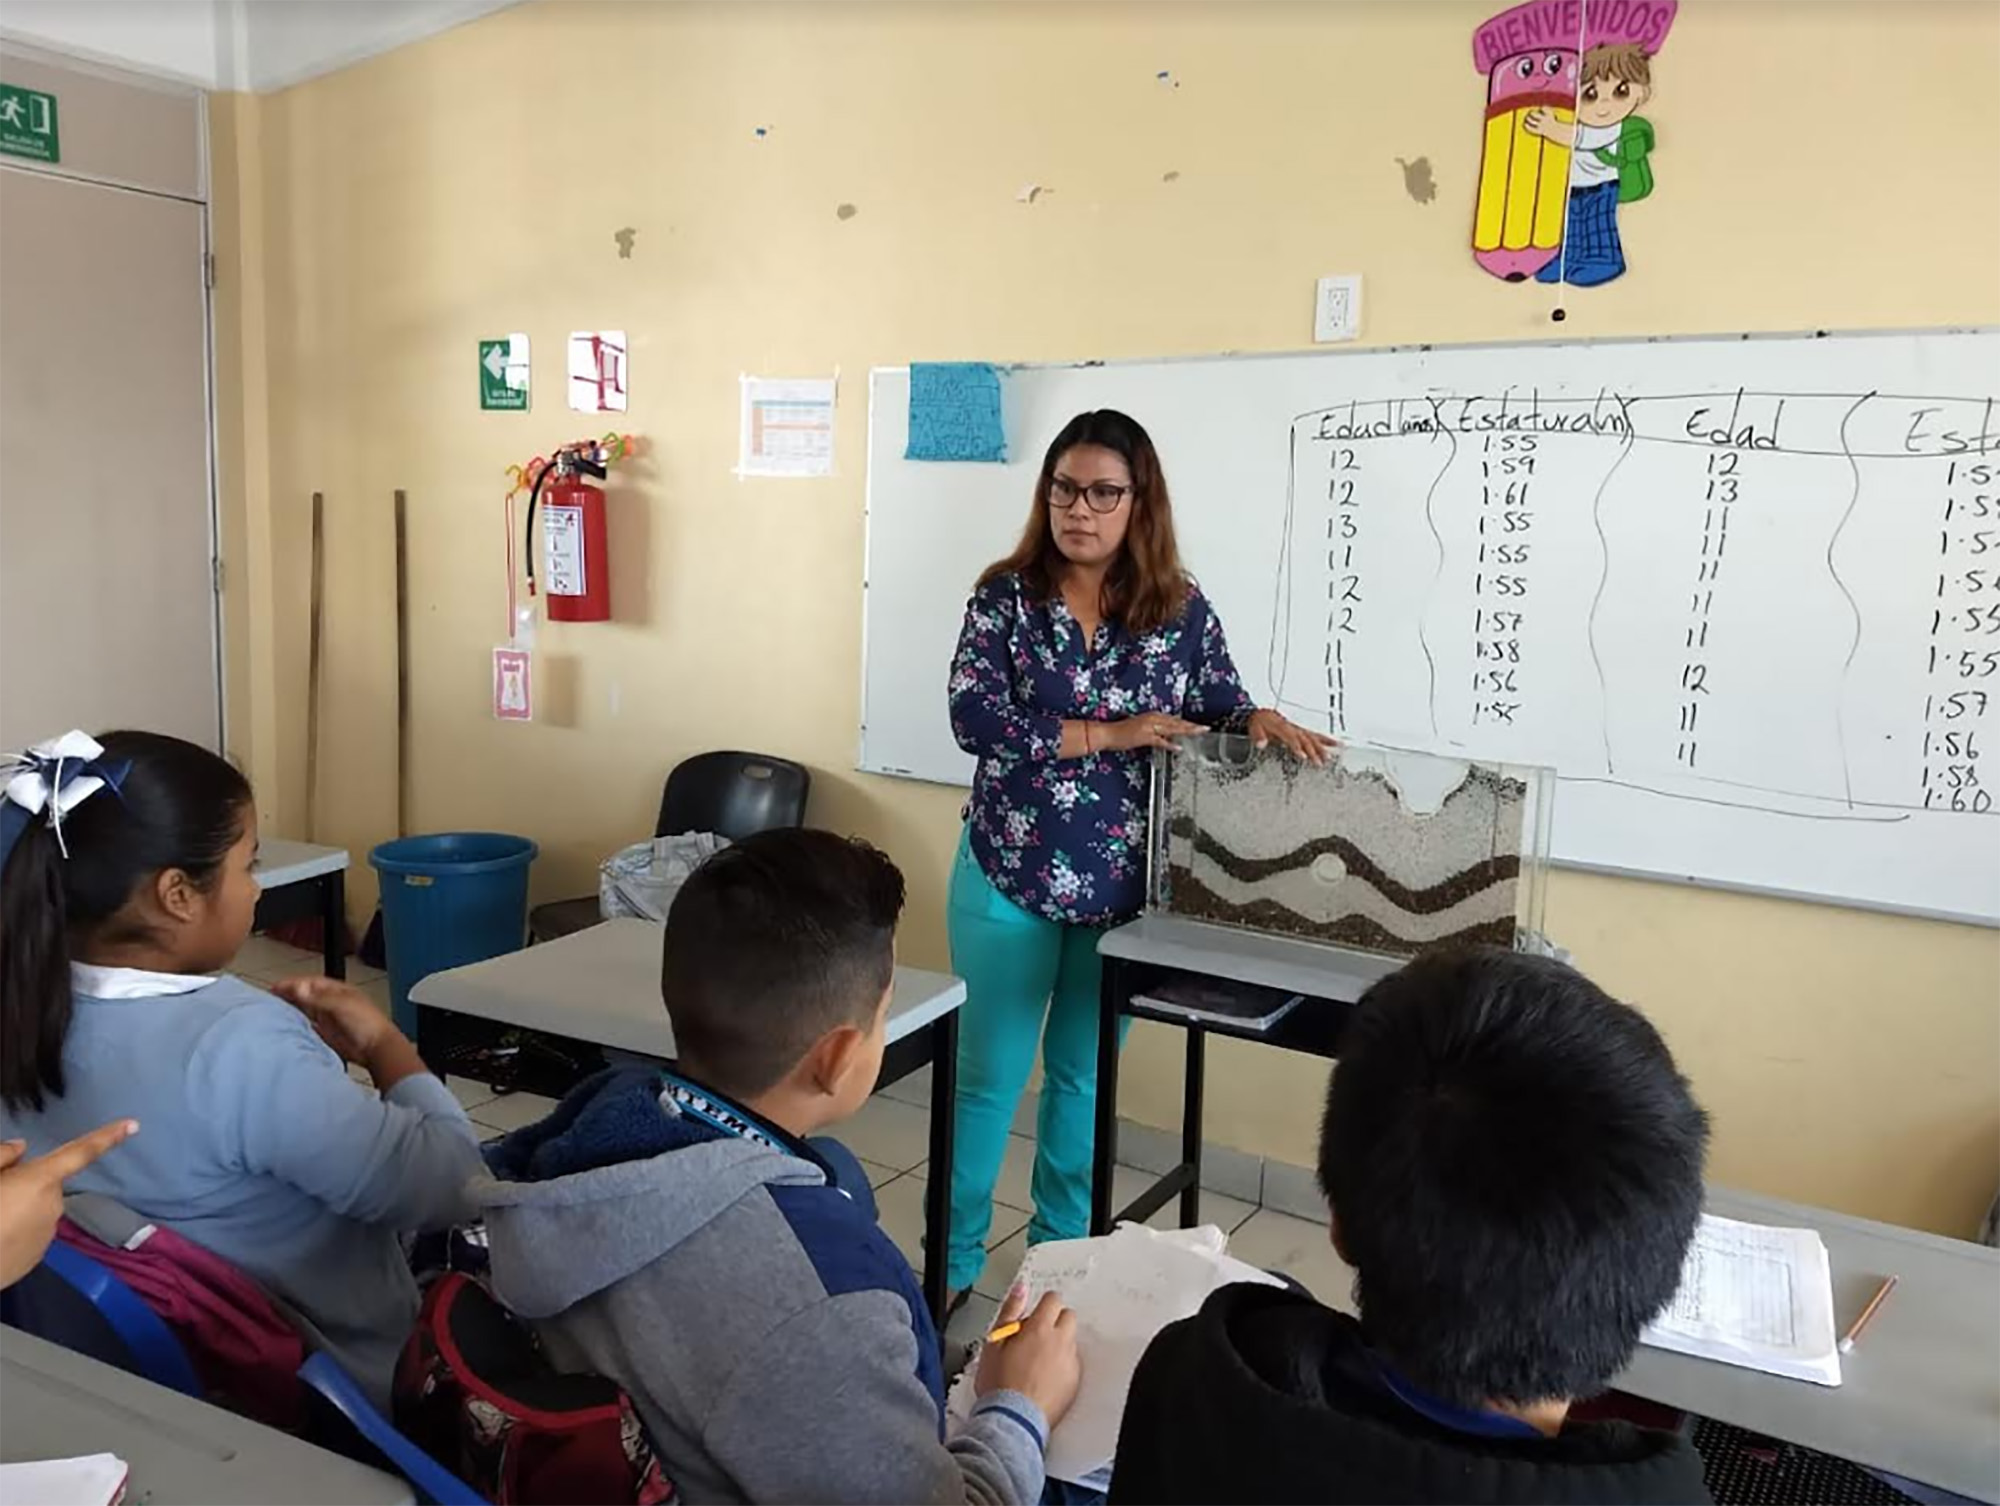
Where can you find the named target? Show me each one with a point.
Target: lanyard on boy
(1449, 1414)
(717, 1113)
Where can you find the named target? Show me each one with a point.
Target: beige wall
(1813, 172)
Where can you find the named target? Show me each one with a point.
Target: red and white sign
(597, 371)
(513, 685)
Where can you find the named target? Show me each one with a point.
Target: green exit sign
(28, 124)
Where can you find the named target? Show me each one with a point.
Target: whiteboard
(1742, 594)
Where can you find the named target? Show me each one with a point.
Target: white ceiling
(232, 44)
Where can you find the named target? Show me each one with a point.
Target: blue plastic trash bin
(449, 899)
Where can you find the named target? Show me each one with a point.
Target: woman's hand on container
(1152, 730)
(1267, 727)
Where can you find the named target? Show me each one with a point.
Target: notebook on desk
(1757, 1297)
(94, 1480)
(1219, 1001)
(1125, 1287)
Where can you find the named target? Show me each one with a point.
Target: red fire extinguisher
(578, 573)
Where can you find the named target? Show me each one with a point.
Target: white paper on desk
(1125, 1288)
(94, 1480)
(1757, 1297)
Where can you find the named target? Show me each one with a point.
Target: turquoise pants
(1026, 979)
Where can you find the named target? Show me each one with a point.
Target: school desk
(300, 879)
(1921, 1391)
(602, 985)
(57, 1404)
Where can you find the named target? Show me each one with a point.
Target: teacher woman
(1082, 651)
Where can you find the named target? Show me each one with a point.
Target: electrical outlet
(1337, 309)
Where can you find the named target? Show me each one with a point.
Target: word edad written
(1962, 652)
(1343, 586)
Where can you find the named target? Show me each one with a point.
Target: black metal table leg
(937, 1189)
(1104, 1147)
(1191, 1103)
(333, 922)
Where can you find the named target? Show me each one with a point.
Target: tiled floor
(892, 1138)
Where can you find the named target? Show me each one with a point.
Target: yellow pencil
(1868, 1313)
(1004, 1331)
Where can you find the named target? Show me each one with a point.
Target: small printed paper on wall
(597, 371)
(513, 685)
(787, 427)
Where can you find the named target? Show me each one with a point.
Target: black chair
(733, 795)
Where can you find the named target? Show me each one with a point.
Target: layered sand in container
(1394, 853)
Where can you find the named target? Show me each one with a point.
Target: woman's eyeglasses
(1103, 496)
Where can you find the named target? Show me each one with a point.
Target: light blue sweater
(255, 1144)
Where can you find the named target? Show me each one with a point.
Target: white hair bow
(52, 779)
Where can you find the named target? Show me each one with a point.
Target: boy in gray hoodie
(681, 1233)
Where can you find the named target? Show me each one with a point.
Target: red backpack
(476, 1393)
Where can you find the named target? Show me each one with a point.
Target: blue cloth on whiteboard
(955, 412)
(1066, 838)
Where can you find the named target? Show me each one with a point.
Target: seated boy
(679, 1234)
(1514, 1170)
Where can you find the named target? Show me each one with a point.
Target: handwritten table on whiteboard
(1742, 594)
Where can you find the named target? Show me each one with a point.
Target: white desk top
(1919, 1394)
(182, 1452)
(603, 985)
(1299, 967)
(280, 862)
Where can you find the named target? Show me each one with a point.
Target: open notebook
(1125, 1288)
(1757, 1297)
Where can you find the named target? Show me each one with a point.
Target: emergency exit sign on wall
(28, 124)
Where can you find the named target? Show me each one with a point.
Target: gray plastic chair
(731, 794)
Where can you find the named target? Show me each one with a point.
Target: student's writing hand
(31, 1193)
(341, 1015)
(1040, 1361)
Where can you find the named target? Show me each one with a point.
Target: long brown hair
(1146, 587)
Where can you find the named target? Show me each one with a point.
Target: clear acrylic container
(1382, 850)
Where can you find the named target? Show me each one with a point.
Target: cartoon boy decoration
(1564, 144)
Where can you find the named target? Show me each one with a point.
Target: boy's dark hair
(177, 806)
(1515, 1170)
(772, 943)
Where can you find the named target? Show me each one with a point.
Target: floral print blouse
(1066, 838)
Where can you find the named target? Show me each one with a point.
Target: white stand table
(602, 985)
(56, 1404)
(299, 879)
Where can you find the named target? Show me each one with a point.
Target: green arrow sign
(503, 373)
(28, 124)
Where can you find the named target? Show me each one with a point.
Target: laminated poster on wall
(597, 371)
(513, 685)
(1566, 150)
(504, 371)
(955, 412)
(787, 427)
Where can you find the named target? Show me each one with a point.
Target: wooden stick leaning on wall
(316, 609)
(402, 667)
